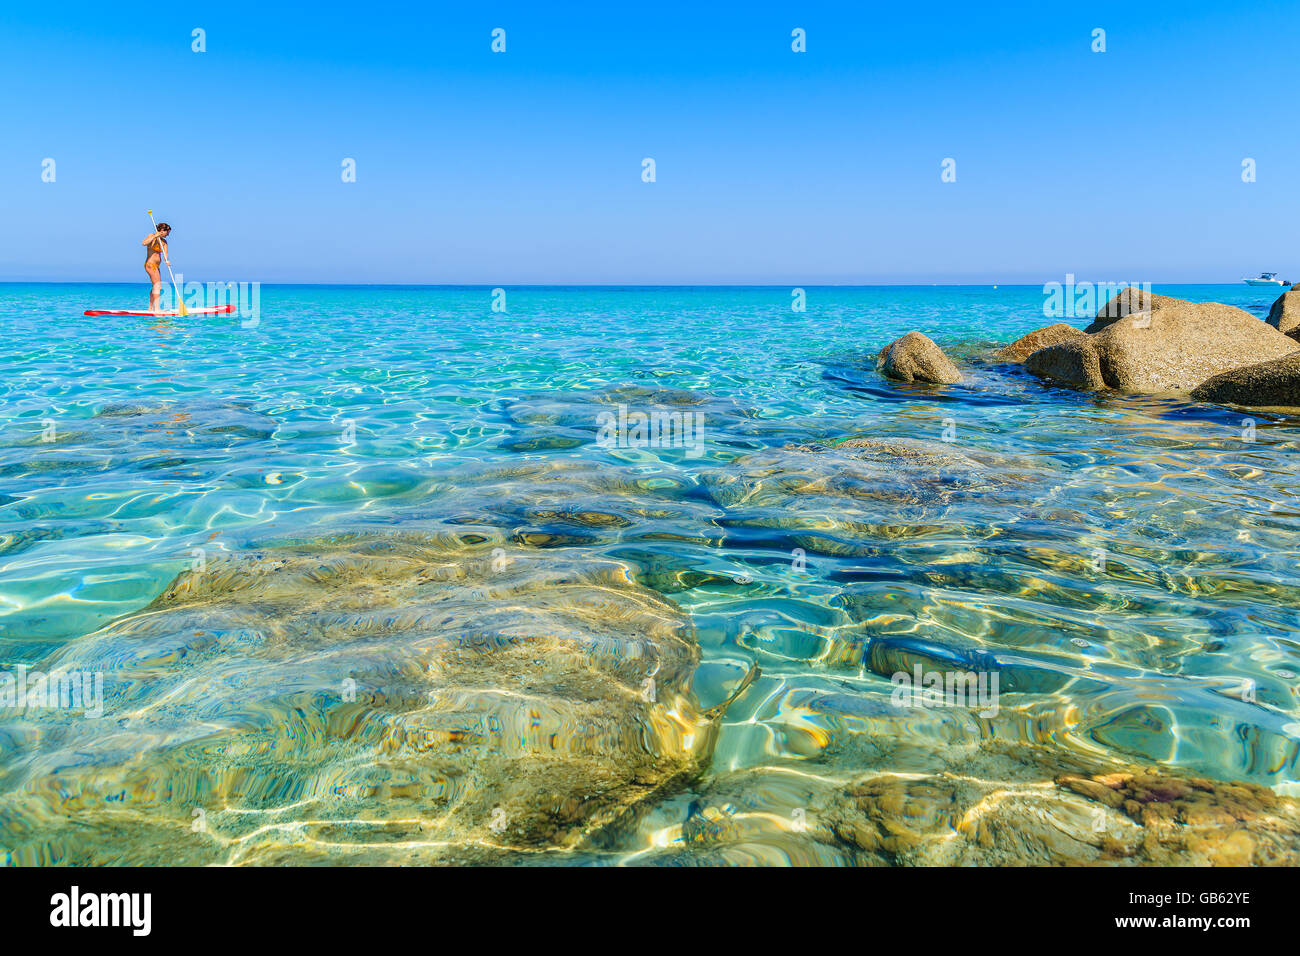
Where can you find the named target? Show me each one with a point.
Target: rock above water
(1266, 383)
(1027, 345)
(1285, 314)
(915, 358)
(1170, 349)
(1129, 300)
(1075, 363)
(1177, 347)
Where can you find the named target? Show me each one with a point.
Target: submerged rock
(624, 416)
(193, 422)
(1275, 383)
(1128, 301)
(908, 654)
(996, 806)
(915, 358)
(369, 698)
(855, 496)
(579, 408)
(1027, 345)
(1196, 821)
(857, 471)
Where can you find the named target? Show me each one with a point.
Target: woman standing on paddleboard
(156, 246)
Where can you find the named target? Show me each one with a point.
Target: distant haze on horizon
(1038, 286)
(771, 167)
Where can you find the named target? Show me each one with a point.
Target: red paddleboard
(215, 310)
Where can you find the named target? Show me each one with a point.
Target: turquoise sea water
(1129, 564)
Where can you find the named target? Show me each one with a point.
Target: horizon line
(642, 285)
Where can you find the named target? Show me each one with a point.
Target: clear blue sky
(773, 167)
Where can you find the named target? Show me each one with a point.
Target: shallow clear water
(1130, 564)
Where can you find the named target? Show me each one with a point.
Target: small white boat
(1264, 278)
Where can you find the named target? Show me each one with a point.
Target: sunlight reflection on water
(1127, 566)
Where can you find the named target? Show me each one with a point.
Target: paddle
(180, 303)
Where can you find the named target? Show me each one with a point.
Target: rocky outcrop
(915, 358)
(1275, 383)
(1075, 363)
(1285, 314)
(1172, 349)
(1127, 301)
(1027, 345)
(1177, 347)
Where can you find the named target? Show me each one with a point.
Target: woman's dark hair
(163, 227)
